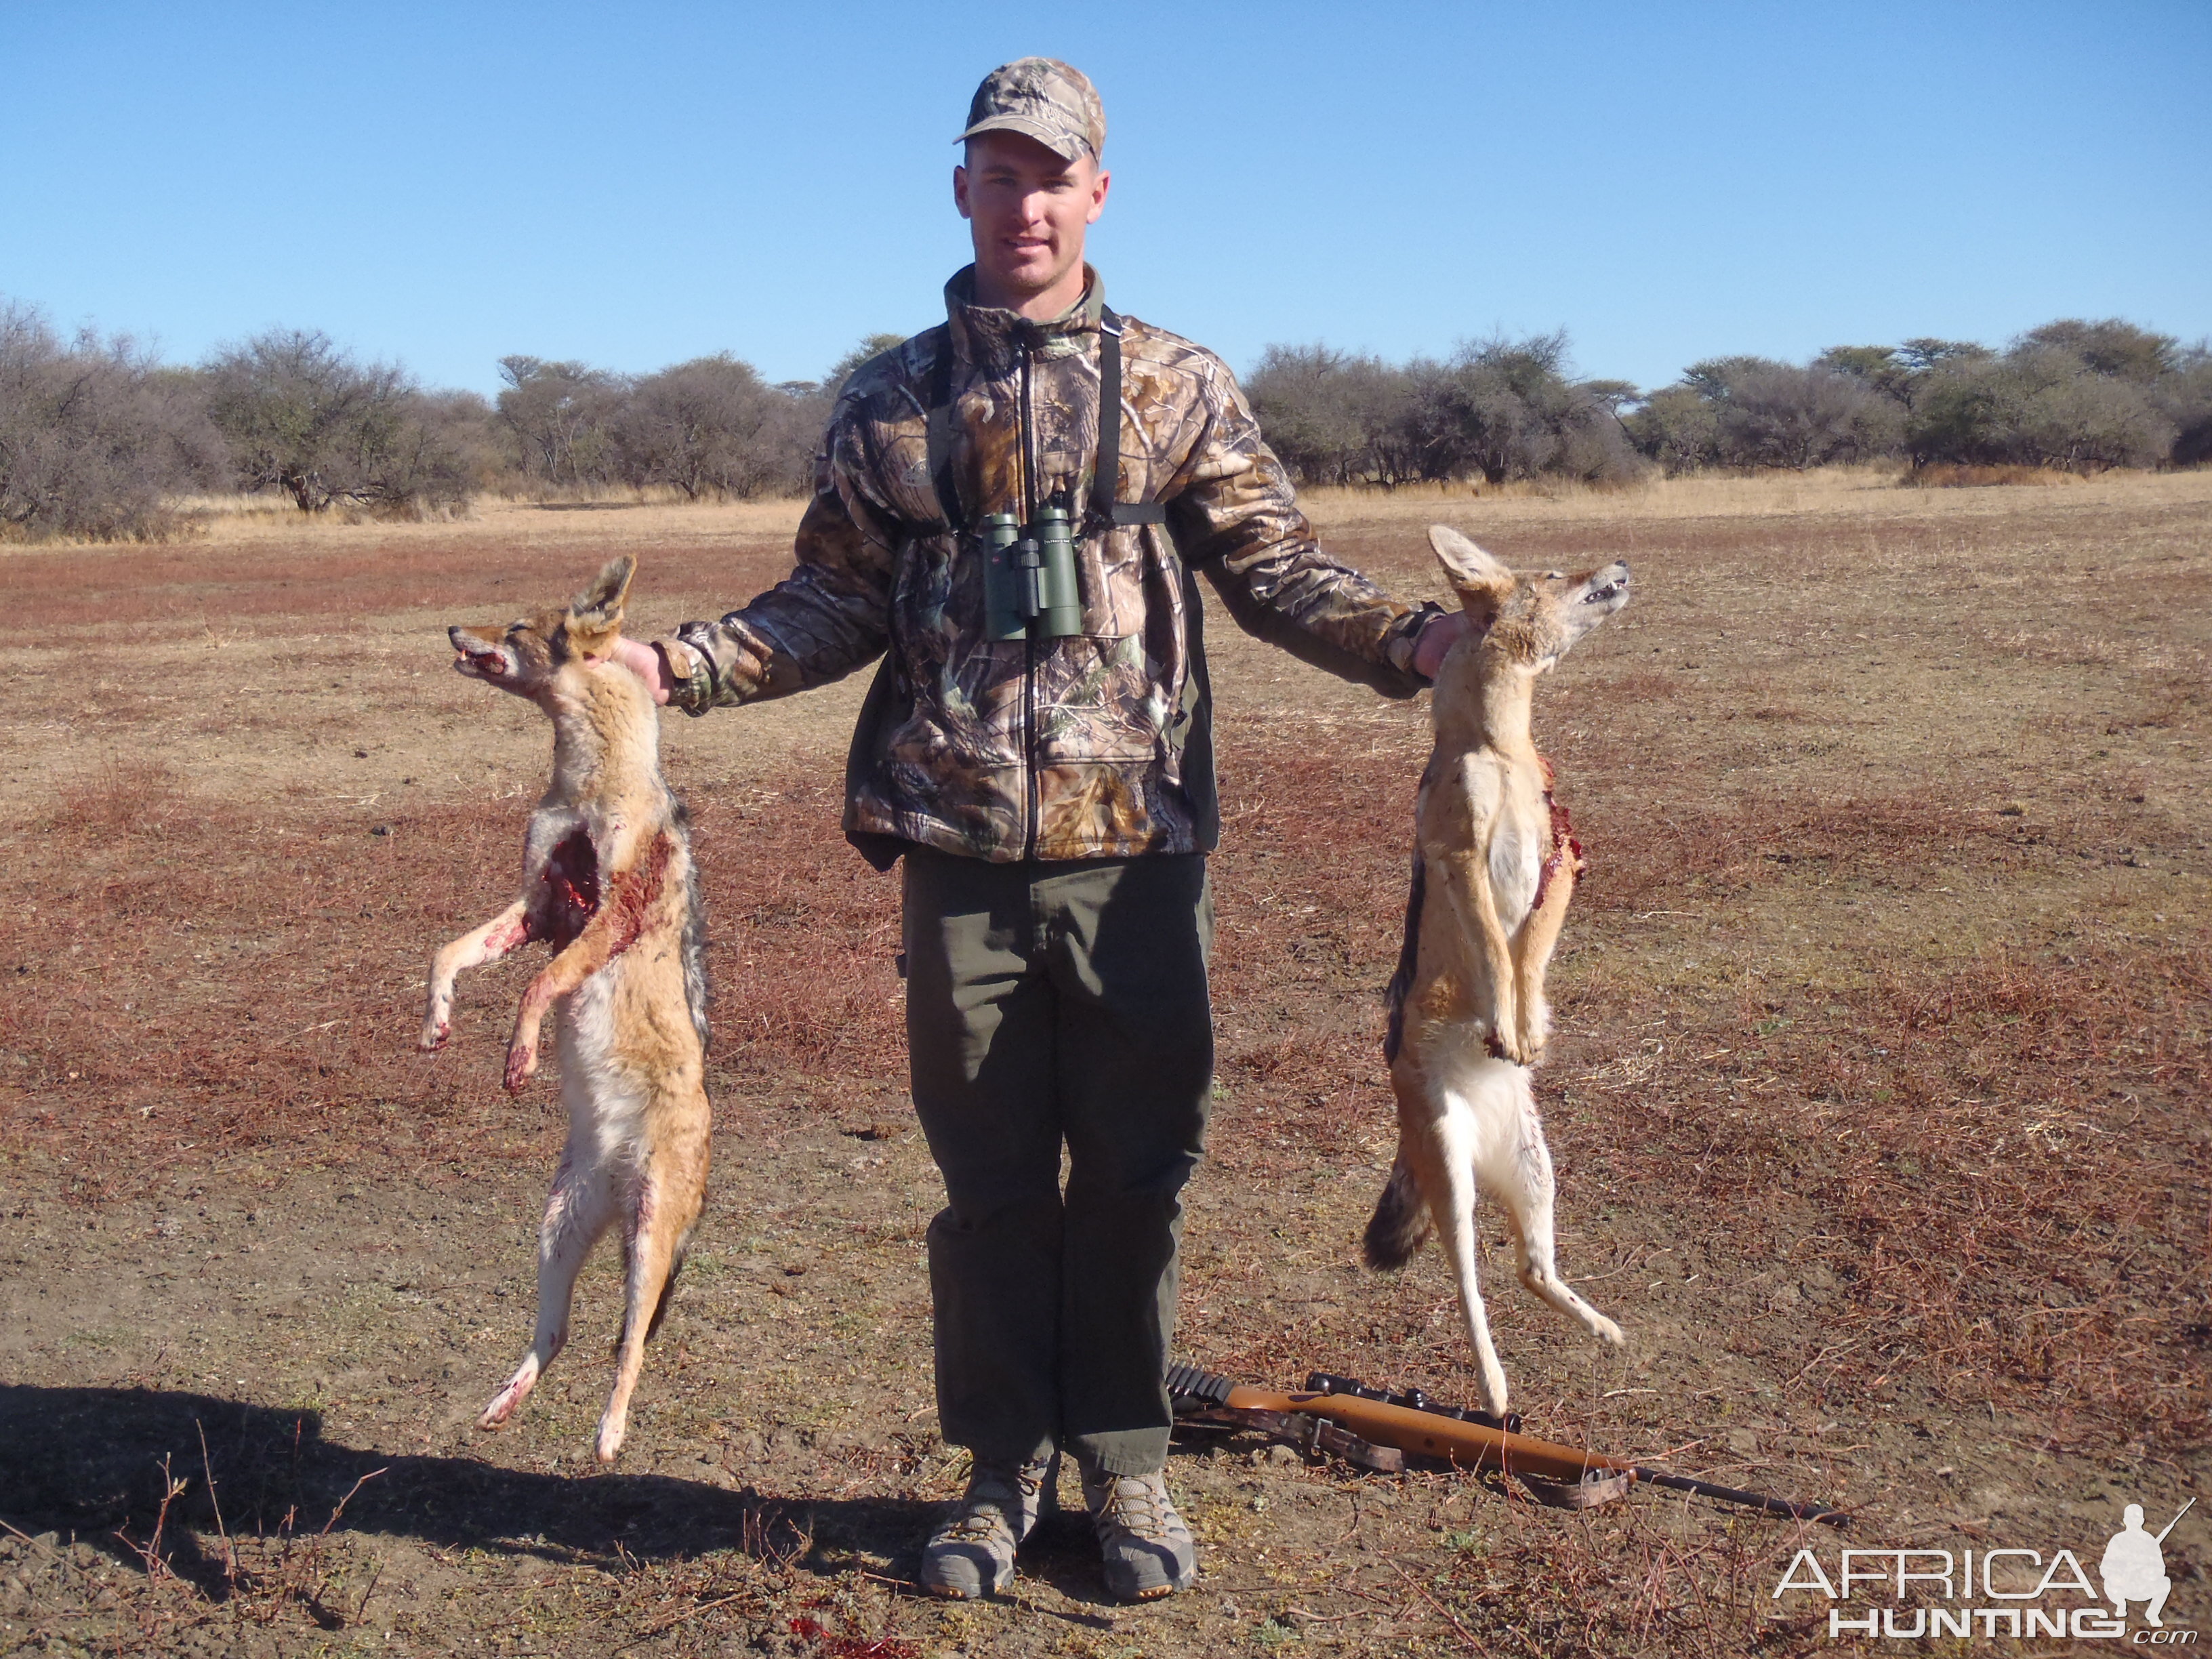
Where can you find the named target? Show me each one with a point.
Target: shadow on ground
(93, 1460)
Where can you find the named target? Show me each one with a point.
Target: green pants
(1052, 1004)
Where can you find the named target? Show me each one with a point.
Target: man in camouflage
(1054, 801)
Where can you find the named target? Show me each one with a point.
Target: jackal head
(1530, 621)
(525, 656)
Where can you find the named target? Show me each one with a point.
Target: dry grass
(1949, 475)
(1873, 492)
(1877, 1100)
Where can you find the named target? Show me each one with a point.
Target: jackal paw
(521, 1067)
(612, 1432)
(503, 1404)
(1513, 1049)
(434, 1033)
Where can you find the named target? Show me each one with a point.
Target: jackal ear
(1481, 581)
(595, 616)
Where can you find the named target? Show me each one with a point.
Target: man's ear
(960, 191)
(595, 616)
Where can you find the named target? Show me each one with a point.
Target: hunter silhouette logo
(1989, 1593)
(2134, 1567)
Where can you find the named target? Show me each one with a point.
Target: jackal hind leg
(1443, 1162)
(657, 1231)
(1526, 1187)
(579, 1209)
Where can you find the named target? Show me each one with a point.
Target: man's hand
(1442, 633)
(642, 660)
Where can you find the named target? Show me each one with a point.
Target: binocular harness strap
(1104, 511)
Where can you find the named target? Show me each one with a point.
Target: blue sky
(636, 184)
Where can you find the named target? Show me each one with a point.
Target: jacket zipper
(1033, 792)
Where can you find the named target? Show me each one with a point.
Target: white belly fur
(1488, 1118)
(1517, 861)
(607, 1107)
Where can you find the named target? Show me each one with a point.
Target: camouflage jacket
(1093, 745)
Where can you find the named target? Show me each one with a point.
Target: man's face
(1026, 209)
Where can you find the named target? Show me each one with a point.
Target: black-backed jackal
(1494, 865)
(607, 882)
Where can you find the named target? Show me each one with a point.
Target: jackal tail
(1400, 1223)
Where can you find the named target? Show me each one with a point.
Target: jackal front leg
(613, 928)
(489, 943)
(1540, 936)
(1466, 879)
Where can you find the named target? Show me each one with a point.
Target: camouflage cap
(1043, 98)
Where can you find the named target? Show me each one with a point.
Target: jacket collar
(990, 337)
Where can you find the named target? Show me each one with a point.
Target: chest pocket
(1109, 569)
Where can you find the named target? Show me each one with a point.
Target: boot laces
(997, 1501)
(1135, 1506)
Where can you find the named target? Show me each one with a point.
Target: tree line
(2081, 396)
(99, 437)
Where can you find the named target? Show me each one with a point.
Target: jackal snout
(527, 652)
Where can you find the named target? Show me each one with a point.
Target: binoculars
(1030, 589)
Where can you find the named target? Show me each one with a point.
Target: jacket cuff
(690, 674)
(1405, 638)
(736, 663)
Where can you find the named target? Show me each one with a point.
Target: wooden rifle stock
(1471, 1446)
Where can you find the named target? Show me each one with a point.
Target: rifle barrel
(1755, 1499)
(2176, 1521)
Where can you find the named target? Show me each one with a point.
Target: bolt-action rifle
(1367, 1425)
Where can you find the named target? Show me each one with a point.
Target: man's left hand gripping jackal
(608, 883)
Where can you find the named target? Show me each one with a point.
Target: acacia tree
(713, 427)
(1772, 414)
(871, 347)
(1330, 416)
(2045, 403)
(561, 415)
(303, 416)
(1501, 410)
(94, 434)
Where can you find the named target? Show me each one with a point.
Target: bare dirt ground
(1878, 1105)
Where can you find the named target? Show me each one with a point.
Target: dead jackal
(607, 882)
(1493, 868)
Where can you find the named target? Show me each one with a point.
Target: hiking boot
(1149, 1552)
(971, 1554)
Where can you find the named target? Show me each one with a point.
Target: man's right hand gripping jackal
(607, 882)
(1493, 867)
